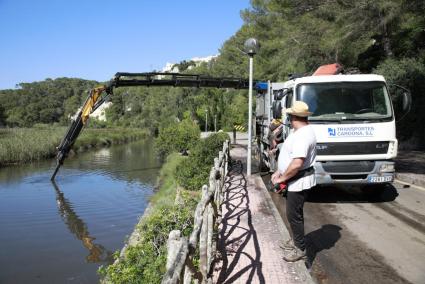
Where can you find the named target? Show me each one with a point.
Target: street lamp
(251, 47)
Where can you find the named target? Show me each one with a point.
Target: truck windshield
(346, 101)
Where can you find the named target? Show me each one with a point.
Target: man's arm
(291, 171)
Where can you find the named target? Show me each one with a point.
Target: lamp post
(251, 47)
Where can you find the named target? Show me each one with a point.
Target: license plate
(380, 179)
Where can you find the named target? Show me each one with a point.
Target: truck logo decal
(351, 131)
(331, 131)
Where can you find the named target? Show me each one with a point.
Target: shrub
(194, 171)
(192, 175)
(145, 261)
(410, 73)
(177, 137)
(207, 149)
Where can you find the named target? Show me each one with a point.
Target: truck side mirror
(280, 94)
(407, 102)
(277, 110)
(403, 101)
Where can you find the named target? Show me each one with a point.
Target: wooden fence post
(228, 157)
(203, 240)
(207, 219)
(217, 189)
(227, 161)
(176, 257)
(174, 240)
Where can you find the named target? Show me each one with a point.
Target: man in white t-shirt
(295, 169)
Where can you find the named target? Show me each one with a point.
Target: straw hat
(299, 108)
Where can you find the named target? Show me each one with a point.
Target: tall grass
(21, 145)
(107, 136)
(168, 186)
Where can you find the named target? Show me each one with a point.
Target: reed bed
(22, 145)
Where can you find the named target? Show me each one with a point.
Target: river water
(62, 233)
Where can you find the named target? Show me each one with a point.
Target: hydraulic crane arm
(123, 79)
(93, 101)
(98, 96)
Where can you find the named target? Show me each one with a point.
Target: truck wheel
(374, 191)
(262, 167)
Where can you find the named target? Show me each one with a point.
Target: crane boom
(124, 79)
(98, 96)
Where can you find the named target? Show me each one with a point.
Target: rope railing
(180, 266)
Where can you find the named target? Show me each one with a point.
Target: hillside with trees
(384, 36)
(49, 101)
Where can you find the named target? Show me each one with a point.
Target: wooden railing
(181, 251)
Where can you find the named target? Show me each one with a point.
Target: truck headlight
(386, 168)
(392, 149)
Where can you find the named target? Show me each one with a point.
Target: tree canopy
(48, 101)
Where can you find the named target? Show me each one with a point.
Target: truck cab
(353, 119)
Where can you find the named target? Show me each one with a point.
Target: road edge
(415, 179)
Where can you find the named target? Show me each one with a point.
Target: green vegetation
(177, 137)
(171, 208)
(24, 145)
(20, 145)
(380, 36)
(49, 101)
(105, 137)
(144, 262)
(409, 73)
(194, 171)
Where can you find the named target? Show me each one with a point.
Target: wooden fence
(181, 251)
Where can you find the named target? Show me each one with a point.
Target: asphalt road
(372, 235)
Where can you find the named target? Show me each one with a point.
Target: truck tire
(262, 167)
(374, 191)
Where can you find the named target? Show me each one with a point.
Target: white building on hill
(172, 68)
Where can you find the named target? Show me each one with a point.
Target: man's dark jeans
(295, 214)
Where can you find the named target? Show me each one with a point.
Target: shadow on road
(353, 194)
(321, 239)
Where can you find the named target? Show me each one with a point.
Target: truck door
(287, 103)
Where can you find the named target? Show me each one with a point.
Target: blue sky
(95, 39)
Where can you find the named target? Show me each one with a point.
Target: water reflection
(97, 253)
(103, 152)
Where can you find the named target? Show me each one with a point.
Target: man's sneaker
(288, 245)
(295, 255)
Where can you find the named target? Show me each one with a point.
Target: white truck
(354, 122)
